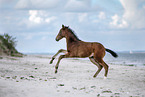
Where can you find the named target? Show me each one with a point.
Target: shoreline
(33, 76)
(125, 58)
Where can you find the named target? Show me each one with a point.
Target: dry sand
(33, 76)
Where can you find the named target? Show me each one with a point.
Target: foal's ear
(63, 26)
(66, 26)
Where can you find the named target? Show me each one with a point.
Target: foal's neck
(71, 37)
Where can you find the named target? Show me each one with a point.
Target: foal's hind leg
(106, 68)
(59, 51)
(101, 62)
(97, 64)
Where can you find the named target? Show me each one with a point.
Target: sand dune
(33, 76)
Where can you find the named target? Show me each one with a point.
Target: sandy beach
(33, 76)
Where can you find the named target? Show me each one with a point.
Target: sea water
(126, 58)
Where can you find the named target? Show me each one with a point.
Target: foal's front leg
(59, 51)
(60, 57)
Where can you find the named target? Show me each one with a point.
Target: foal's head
(62, 33)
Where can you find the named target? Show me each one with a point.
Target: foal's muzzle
(56, 39)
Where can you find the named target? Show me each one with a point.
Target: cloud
(50, 19)
(57, 5)
(134, 13)
(37, 4)
(118, 22)
(23, 4)
(102, 15)
(132, 17)
(40, 17)
(33, 16)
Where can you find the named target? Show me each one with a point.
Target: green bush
(9, 41)
(8, 44)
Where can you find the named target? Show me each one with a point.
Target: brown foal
(80, 49)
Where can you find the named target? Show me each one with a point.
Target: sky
(117, 24)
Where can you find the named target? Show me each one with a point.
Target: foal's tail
(112, 53)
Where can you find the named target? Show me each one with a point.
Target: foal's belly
(84, 54)
(80, 53)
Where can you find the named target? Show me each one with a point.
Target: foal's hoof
(52, 60)
(55, 71)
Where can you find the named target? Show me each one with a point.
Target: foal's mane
(74, 34)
